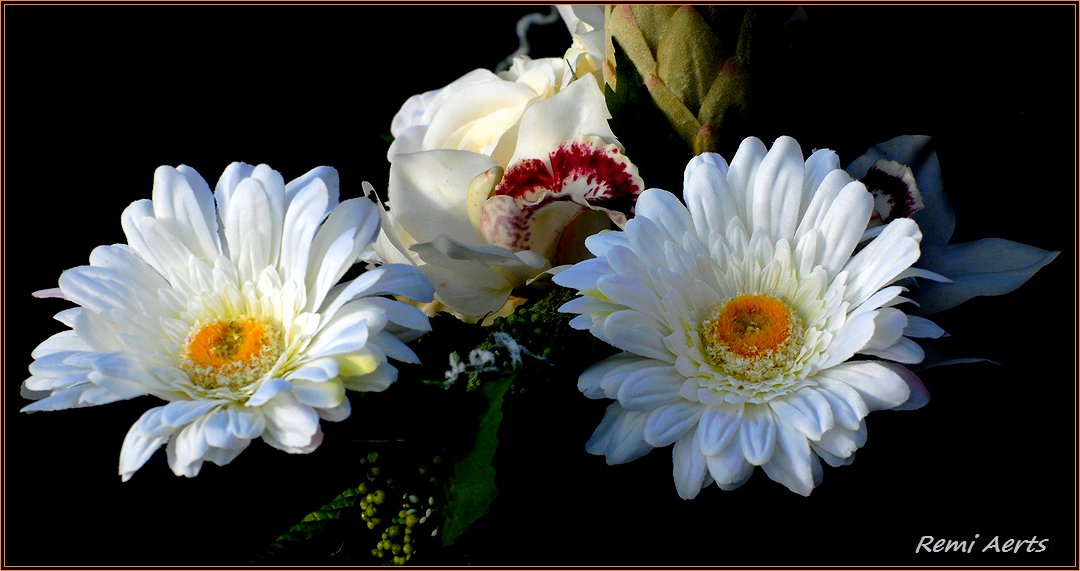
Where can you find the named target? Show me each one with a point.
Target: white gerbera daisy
(739, 319)
(234, 315)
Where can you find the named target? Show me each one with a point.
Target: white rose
(474, 111)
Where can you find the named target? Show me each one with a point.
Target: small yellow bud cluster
(397, 541)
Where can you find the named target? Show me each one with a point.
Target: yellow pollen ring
(231, 352)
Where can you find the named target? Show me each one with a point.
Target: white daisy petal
(305, 212)
(56, 399)
(245, 425)
(376, 381)
(326, 177)
(347, 333)
(274, 186)
(631, 331)
(740, 175)
(626, 291)
(889, 325)
(335, 247)
(689, 467)
(336, 413)
(226, 184)
(879, 386)
(142, 440)
(851, 338)
(778, 189)
(903, 351)
(852, 203)
(130, 221)
(919, 395)
(121, 374)
(393, 347)
(883, 259)
(806, 410)
(222, 456)
(706, 193)
(729, 467)
(668, 423)
(406, 281)
(620, 437)
(841, 442)
(268, 390)
(319, 395)
(404, 319)
(63, 342)
(186, 449)
(125, 261)
(664, 209)
(217, 431)
(98, 289)
(337, 257)
(247, 229)
(582, 276)
(590, 381)
(718, 427)
(739, 316)
(648, 388)
(290, 425)
(818, 166)
(821, 201)
(317, 370)
(227, 306)
(757, 434)
(830, 458)
(186, 207)
(599, 243)
(792, 463)
(182, 412)
(848, 408)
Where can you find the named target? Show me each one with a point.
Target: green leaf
(314, 523)
(622, 28)
(651, 142)
(652, 20)
(689, 57)
(472, 483)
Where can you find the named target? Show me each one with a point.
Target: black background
(98, 96)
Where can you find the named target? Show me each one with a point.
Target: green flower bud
(693, 61)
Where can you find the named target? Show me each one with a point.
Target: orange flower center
(752, 337)
(751, 324)
(231, 353)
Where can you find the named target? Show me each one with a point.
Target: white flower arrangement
(617, 240)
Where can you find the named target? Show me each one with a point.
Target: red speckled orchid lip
(584, 171)
(583, 174)
(895, 193)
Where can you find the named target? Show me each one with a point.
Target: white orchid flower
(484, 221)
